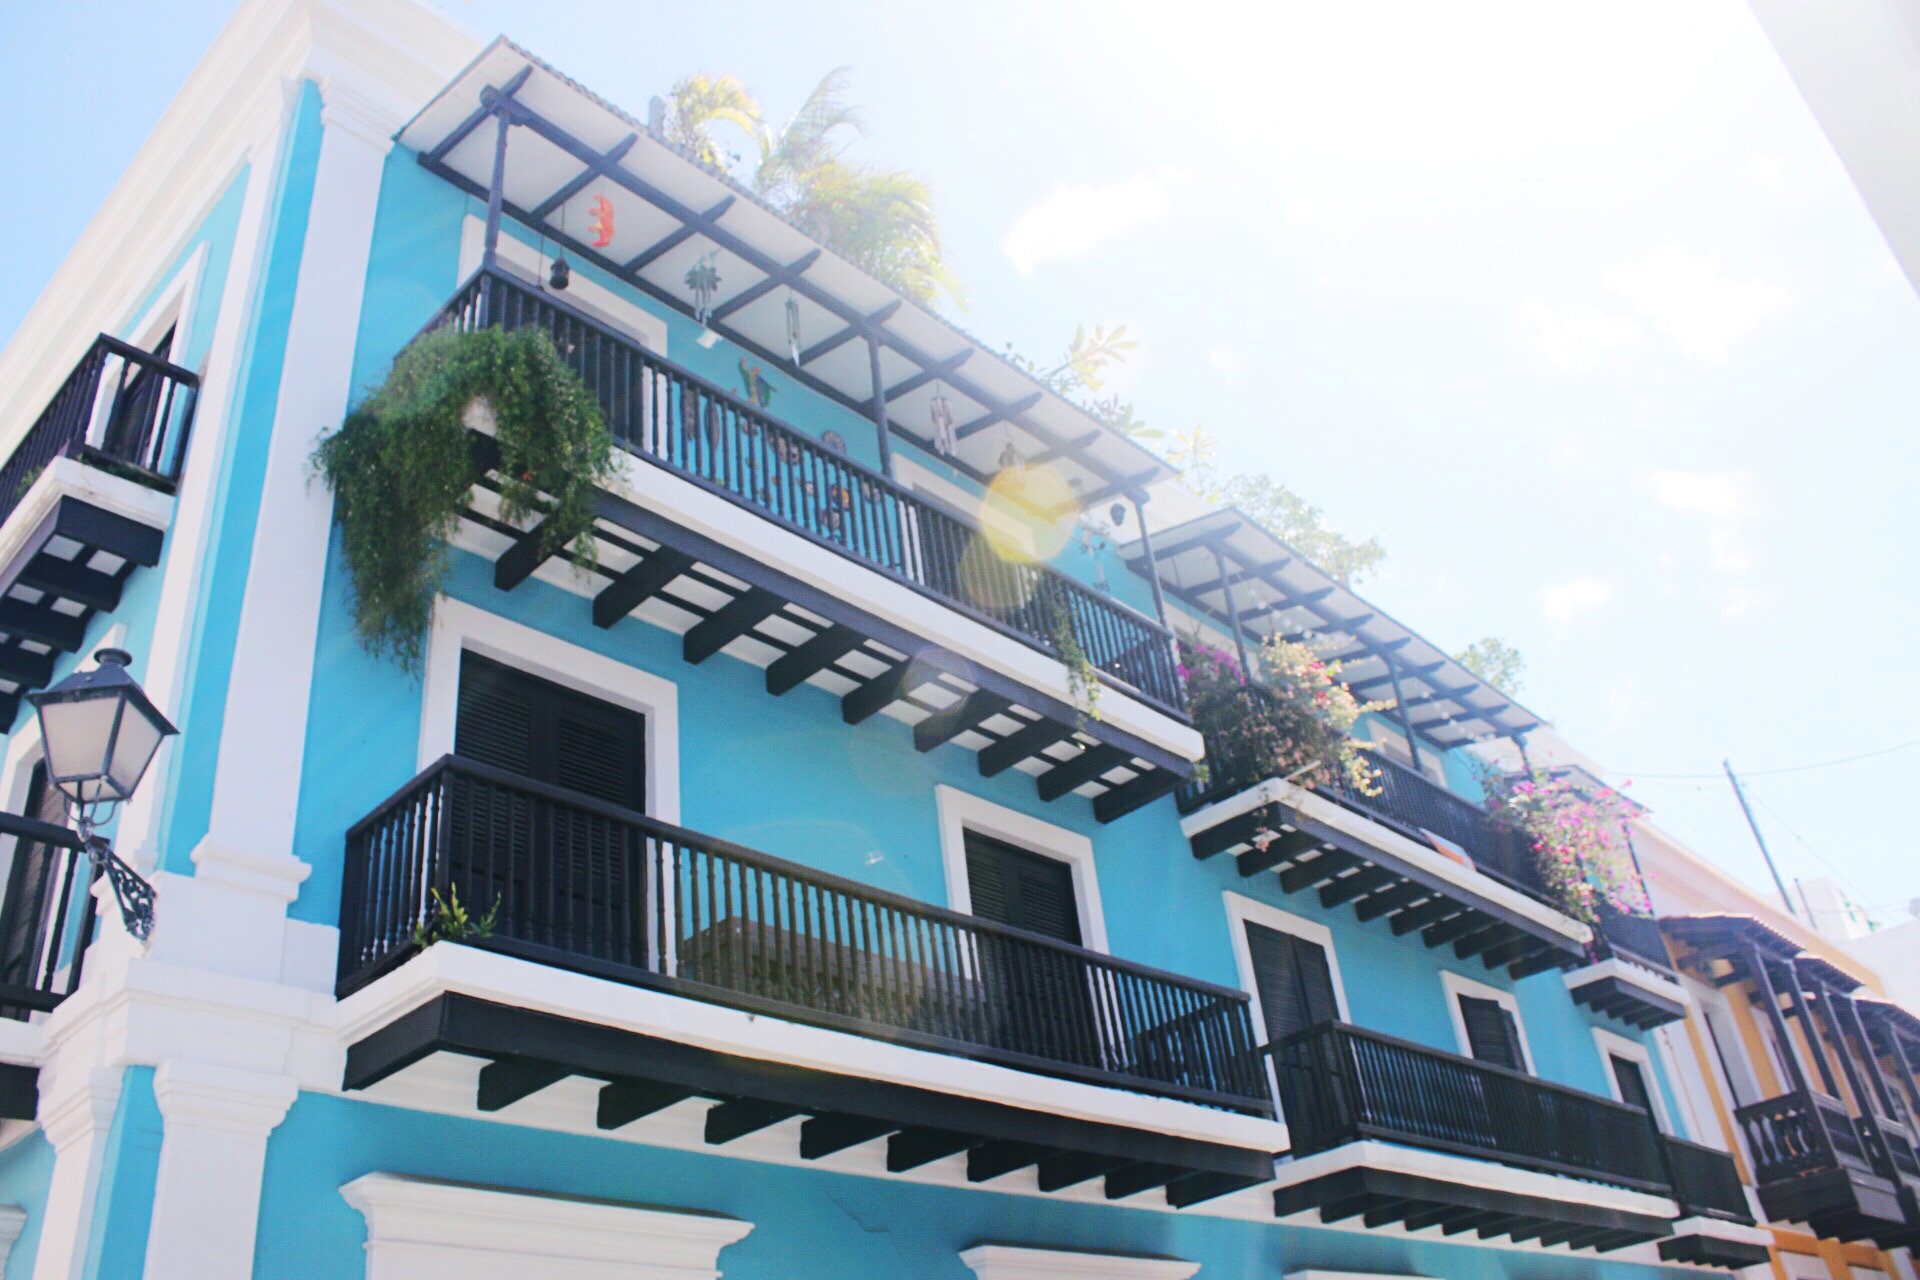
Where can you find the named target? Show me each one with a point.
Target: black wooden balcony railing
(1340, 1084)
(46, 917)
(1800, 1133)
(669, 416)
(1408, 802)
(1706, 1183)
(1636, 937)
(580, 884)
(121, 408)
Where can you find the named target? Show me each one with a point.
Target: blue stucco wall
(808, 1224)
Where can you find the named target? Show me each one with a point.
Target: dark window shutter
(550, 733)
(1634, 1090)
(30, 886)
(1294, 980)
(1492, 1034)
(1022, 889)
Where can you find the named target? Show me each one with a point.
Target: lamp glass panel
(132, 751)
(77, 736)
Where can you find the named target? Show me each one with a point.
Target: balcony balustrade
(1341, 1084)
(121, 408)
(1706, 1183)
(46, 918)
(584, 885)
(1815, 1163)
(672, 418)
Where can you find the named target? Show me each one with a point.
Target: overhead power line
(1764, 773)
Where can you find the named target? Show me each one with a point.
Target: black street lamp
(100, 732)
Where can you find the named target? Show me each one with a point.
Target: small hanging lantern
(560, 275)
(940, 411)
(793, 328)
(703, 277)
(1009, 456)
(1118, 514)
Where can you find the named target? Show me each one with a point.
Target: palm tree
(699, 102)
(878, 218)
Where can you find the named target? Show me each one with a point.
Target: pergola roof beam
(933, 373)
(996, 413)
(867, 323)
(754, 292)
(695, 224)
(612, 156)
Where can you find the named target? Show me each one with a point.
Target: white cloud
(1691, 299)
(1563, 602)
(1704, 493)
(1074, 220)
(1574, 338)
(1727, 553)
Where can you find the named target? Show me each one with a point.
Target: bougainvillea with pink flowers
(1296, 723)
(1579, 840)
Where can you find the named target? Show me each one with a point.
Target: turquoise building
(843, 892)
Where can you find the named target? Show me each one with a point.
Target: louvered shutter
(1294, 979)
(1492, 1034)
(23, 918)
(495, 722)
(1023, 889)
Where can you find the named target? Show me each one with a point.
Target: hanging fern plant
(402, 463)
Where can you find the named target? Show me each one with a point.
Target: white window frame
(961, 811)
(460, 627)
(1457, 985)
(1242, 911)
(1611, 1044)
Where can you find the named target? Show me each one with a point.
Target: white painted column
(234, 917)
(76, 1116)
(191, 534)
(206, 1200)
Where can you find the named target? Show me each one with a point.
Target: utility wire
(1763, 773)
(1808, 846)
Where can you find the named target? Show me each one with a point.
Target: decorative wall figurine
(601, 227)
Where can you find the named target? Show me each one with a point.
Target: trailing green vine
(402, 463)
(1083, 678)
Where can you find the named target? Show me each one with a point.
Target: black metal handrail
(581, 884)
(121, 407)
(1799, 1133)
(1341, 1084)
(1637, 937)
(669, 416)
(46, 916)
(1706, 1183)
(1405, 800)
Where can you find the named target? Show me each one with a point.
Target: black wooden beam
(891, 685)
(612, 156)
(1136, 1178)
(1237, 830)
(738, 1117)
(793, 668)
(998, 413)
(1305, 875)
(997, 757)
(1284, 848)
(505, 1081)
(842, 337)
(824, 1135)
(42, 625)
(1057, 1173)
(932, 373)
(754, 292)
(1117, 802)
(1423, 915)
(1349, 887)
(911, 1148)
(970, 712)
(480, 115)
(1447, 930)
(71, 581)
(1378, 904)
(1195, 1188)
(1504, 953)
(1471, 944)
(997, 1159)
(22, 667)
(639, 584)
(517, 563)
(728, 623)
(692, 225)
(1082, 769)
(19, 1092)
(624, 1101)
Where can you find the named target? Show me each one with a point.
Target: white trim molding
(459, 627)
(1457, 985)
(1241, 911)
(961, 812)
(424, 1229)
(213, 1153)
(1321, 1273)
(1281, 792)
(1017, 1262)
(1611, 1044)
(1633, 975)
(13, 1220)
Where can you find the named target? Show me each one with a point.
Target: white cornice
(1014, 1262)
(393, 54)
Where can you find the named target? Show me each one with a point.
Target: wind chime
(793, 328)
(940, 411)
(1009, 456)
(703, 277)
(560, 274)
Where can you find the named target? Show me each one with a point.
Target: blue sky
(1571, 305)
